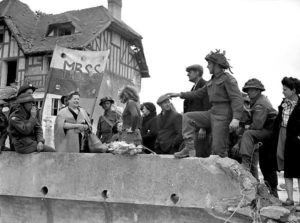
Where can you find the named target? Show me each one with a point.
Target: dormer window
(61, 29)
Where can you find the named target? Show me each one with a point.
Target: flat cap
(194, 67)
(163, 98)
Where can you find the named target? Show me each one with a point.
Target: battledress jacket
(263, 113)
(104, 130)
(222, 88)
(25, 131)
(67, 140)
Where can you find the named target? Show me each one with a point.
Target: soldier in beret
(27, 88)
(107, 121)
(226, 110)
(202, 135)
(24, 127)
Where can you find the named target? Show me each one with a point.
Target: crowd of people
(218, 119)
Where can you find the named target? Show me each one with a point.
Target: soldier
(27, 88)
(262, 119)
(226, 110)
(107, 120)
(235, 137)
(202, 139)
(24, 127)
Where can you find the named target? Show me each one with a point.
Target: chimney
(115, 8)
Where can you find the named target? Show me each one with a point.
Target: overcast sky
(261, 38)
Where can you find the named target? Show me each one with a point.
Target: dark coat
(3, 129)
(292, 144)
(190, 105)
(149, 131)
(169, 136)
(25, 131)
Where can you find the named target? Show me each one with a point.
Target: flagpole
(98, 90)
(50, 74)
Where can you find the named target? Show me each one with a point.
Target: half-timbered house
(27, 40)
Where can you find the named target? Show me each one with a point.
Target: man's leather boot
(246, 163)
(188, 150)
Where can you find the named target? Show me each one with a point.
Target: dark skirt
(291, 158)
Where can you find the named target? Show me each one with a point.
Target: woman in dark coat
(287, 128)
(149, 125)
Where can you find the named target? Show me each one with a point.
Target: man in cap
(169, 127)
(202, 139)
(226, 110)
(107, 121)
(3, 127)
(24, 127)
(262, 119)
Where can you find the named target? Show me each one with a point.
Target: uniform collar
(217, 75)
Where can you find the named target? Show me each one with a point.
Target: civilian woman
(287, 128)
(131, 116)
(70, 124)
(149, 125)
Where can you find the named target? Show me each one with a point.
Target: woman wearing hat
(107, 121)
(149, 125)
(131, 116)
(70, 124)
(24, 127)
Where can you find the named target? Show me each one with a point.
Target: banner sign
(75, 70)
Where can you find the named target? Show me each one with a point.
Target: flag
(75, 70)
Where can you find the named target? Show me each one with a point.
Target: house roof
(29, 29)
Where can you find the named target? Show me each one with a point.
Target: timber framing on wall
(23, 37)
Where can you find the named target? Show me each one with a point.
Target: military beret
(25, 97)
(23, 88)
(194, 67)
(163, 98)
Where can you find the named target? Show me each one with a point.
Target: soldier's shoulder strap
(107, 121)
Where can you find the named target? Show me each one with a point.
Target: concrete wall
(82, 184)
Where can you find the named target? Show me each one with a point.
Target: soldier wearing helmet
(107, 121)
(262, 118)
(226, 110)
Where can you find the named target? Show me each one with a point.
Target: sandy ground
(281, 188)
